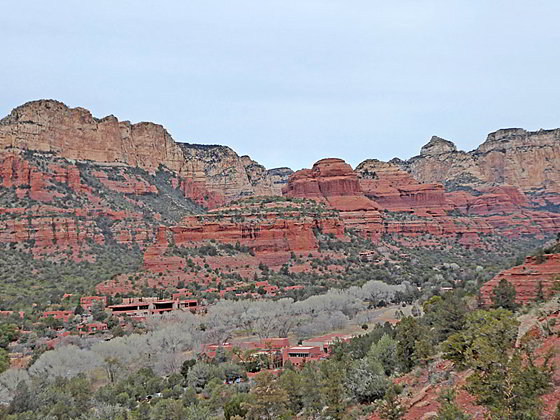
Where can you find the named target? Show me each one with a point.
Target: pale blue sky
(292, 81)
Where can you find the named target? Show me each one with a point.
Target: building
(210, 349)
(63, 315)
(325, 342)
(87, 302)
(140, 308)
(300, 355)
(181, 293)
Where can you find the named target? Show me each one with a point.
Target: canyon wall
(527, 160)
(73, 133)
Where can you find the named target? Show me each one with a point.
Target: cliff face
(380, 198)
(526, 278)
(528, 160)
(394, 189)
(73, 133)
(272, 228)
(50, 206)
(332, 181)
(63, 158)
(279, 178)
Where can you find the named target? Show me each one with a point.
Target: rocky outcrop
(527, 160)
(73, 133)
(265, 226)
(526, 278)
(332, 181)
(381, 198)
(437, 146)
(394, 189)
(52, 207)
(279, 178)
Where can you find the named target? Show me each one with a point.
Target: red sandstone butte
(334, 182)
(394, 189)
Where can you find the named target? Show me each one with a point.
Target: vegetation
(27, 280)
(503, 295)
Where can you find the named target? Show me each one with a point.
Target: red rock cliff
(526, 277)
(73, 133)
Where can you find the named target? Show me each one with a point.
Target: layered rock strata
(528, 160)
(73, 133)
(332, 181)
(544, 270)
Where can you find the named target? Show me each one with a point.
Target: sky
(289, 82)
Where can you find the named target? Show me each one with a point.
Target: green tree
(311, 391)
(510, 387)
(168, 409)
(505, 381)
(269, 400)
(199, 375)
(291, 381)
(384, 352)
(390, 407)
(503, 296)
(8, 333)
(366, 381)
(187, 364)
(413, 343)
(234, 407)
(445, 315)
(332, 388)
(448, 408)
(486, 332)
(4, 360)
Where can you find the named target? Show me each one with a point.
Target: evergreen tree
(311, 392)
(511, 386)
(291, 381)
(413, 343)
(445, 315)
(384, 352)
(366, 381)
(507, 384)
(540, 292)
(448, 409)
(332, 388)
(493, 331)
(390, 407)
(269, 400)
(234, 407)
(503, 296)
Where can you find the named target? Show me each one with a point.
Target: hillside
(125, 207)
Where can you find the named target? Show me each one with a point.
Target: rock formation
(332, 181)
(266, 226)
(411, 208)
(73, 133)
(394, 189)
(528, 160)
(526, 278)
(279, 178)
